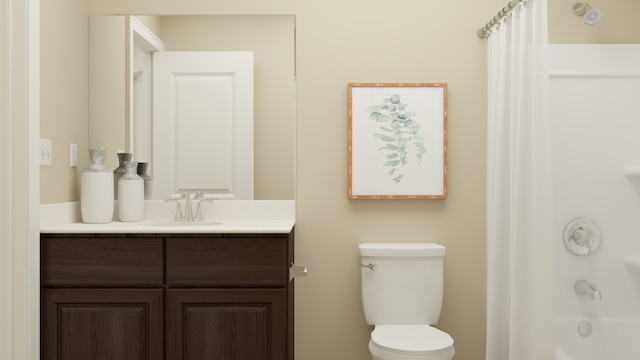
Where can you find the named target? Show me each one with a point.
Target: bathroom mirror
(271, 39)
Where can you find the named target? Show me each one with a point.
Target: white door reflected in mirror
(203, 124)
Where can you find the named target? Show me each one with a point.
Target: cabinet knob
(297, 271)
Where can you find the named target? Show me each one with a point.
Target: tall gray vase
(143, 168)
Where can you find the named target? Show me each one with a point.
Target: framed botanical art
(397, 141)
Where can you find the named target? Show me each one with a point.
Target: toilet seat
(411, 339)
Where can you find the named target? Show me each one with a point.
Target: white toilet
(402, 286)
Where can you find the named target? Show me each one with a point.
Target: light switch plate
(73, 155)
(46, 154)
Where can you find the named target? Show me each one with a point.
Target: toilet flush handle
(370, 265)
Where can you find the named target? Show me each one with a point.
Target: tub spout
(596, 295)
(583, 287)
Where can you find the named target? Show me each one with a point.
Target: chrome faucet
(583, 287)
(188, 214)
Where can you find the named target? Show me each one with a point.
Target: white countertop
(229, 216)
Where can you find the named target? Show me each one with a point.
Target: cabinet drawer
(101, 261)
(227, 261)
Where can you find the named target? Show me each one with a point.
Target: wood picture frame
(397, 141)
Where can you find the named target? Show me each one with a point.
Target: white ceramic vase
(131, 194)
(96, 190)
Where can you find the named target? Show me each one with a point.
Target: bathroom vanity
(136, 291)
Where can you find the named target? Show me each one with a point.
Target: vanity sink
(180, 223)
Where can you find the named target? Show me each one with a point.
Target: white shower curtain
(519, 204)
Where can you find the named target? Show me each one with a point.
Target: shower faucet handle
(582, 236)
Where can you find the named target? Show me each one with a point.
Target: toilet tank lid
(401, 249)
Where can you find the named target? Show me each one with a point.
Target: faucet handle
(199, 213)
(178, 215)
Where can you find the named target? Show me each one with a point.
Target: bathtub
(610, 338)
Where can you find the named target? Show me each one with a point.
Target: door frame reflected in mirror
(140, 45)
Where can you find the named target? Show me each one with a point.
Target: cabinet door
(226, 324)
(105, 324)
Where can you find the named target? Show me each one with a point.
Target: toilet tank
(402, 283)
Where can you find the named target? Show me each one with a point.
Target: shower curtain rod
(483, 32)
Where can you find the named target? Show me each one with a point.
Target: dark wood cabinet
(167, 296)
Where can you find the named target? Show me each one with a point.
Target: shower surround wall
(595, 127)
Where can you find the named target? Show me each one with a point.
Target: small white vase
(121, 169)
(131, 194)
(96, 190)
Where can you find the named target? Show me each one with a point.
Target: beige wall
(63, 94)
(409, 41)
(359, 41)
(107, 85)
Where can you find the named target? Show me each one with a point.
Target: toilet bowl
(410, 342)
(402, 292)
